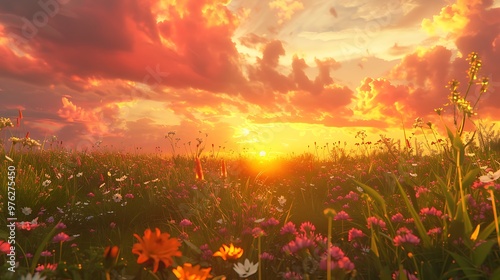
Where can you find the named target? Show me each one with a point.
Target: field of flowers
(381, 210)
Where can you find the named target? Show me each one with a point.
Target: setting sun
(262, 153)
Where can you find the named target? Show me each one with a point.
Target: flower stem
(329, 251)
(259, 257)
(495, 215)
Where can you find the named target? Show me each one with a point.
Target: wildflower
(229, 252)
(397, 218)
(300, 242)
(5, 122)
(257, 232)
(111, 256)
(46, 253)
(307, 227)
(79, 174)
(198, 169)
(4, 247)
(288, 228)
(247, 269)
(61, 237)
(188, 272)
(48, 266)
(431, 212)
(374, 221)
(185, 223)
(405, 236)
(266, 256)
(354, 233)
(46, 183)
(26, 210)
(339, 260)
(342, 215)
(129, 195)
(158, 247)
(117, 197)
(270, 222)
(490, 177)
(36, 276)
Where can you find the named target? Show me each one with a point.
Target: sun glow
(262, 153)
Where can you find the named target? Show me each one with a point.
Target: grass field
(391, 211)
(420, 209)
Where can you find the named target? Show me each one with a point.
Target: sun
(262, 153)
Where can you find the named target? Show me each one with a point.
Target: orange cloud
(286, 9)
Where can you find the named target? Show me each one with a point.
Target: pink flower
(290, 275)
(61, 237)
(185, 223)
(354, 233)
(267, 256)
(256, 232)
(288, 228)
(339, 260)
(91, 194)
(374, 221)
(270, 222)
(300, 242)
(431, 212)
(405, 236)
(46, 253)
(397, 218)
(48, 266)
(307, 227)
(129, 195)
(342, 215)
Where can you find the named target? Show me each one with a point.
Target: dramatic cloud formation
(128, 71)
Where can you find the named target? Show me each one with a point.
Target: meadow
(419, 209)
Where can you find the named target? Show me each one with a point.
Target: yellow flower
(188, 272)
(229, 252)
(158, 247)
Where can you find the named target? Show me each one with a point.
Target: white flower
(36, 276)
(26, 210)
(490, 177)
(413, 174)
(117, 197)
(282, 200)
(79, 174)
(259, 220)
(46, 183)
(247, 269)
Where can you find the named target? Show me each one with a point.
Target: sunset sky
(273, 75)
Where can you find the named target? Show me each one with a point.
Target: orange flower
(188, 272)
(111, 256)
(223, 170)
(199, 171)
(229, 252)
(158, 247)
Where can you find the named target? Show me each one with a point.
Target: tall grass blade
(418, 222)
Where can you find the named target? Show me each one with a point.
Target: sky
(241, 75)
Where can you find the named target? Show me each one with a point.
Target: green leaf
(483, 235)
(465, 265)
(482, 251)
(470, 177)
(418, 222)
(375, 195)
(450, 202)
(373, 246)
